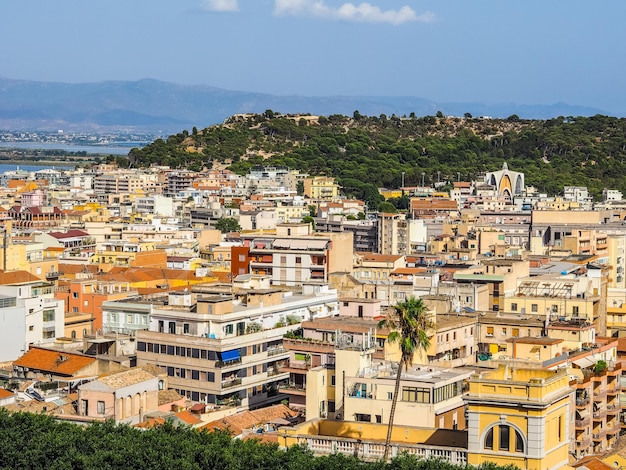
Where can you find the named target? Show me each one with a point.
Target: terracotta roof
(188, 418)
(17, 277)
(54, 362)
(168, 396)
(126, 378)
(592, 463)
(4, 393)
(68, 234)
(235, 424)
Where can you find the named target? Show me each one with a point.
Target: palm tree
(408, 323)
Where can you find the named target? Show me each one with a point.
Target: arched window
(505, 434)
(73, 334)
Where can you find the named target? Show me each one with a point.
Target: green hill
(367, 152)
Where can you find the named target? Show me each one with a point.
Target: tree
(307, 219)
(300, 188)
(312, 210)
(408, 323)
(387, 207)
(227, 224)
(468, 115)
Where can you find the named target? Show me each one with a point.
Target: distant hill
(365, 153)
(152, 105)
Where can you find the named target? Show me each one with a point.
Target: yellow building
(321, 187)
(520, 417)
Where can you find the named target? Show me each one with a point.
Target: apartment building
(321, 188)
(294, 256)
(226, 348)
(29, 313)
(358, 388)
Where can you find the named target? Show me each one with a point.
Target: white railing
(370, 450)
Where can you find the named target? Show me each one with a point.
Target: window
(332, 380)
(489, 440)
(75, 309)
(534, 308)
(514, 307)
(86, 303)
(228, 329)
(389, 395)
(172, 327)
(331, 406)
(75, 295)
(298, 260)
(129, 319)
(490, 331)
(186, 328)
(48, 315)
(100, 407)
(575, 311)
(504, 433)
(503, 331)
(504, 437)
(516, 332)
(416, 394)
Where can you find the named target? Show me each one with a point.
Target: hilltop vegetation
(364, 153)
(39, 441)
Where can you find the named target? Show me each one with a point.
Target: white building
(29, 314)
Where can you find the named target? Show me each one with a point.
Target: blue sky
(530, 52)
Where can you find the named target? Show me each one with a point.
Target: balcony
(305, 345)
(613, 409)
(599, 395)
(582, 402)
(224, 364)
(293, 389)
(614, 389)
(276, 351)
(601, 434)
(231, 383)
(583, 443)
(582, 423)
(52, 275)
(598, 415)
(612, 430)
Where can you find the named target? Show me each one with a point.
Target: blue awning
(230, 355)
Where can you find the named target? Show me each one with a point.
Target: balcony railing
(583, 443)
(581, 423)
(601, 434)
(222, 364)
(373, 450)
(599, 395)
(582, 402)
(276, 351)
(599, 414)
(231, 383)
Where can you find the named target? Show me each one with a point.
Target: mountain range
(156, 106)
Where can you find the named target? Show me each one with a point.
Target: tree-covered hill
(364, 153)
(29, 441)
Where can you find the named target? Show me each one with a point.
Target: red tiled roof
(68, 234)
(5, 393)
(54, 362)
(188, 417)
(17, 277)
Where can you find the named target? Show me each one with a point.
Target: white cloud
(363, 12)
(220, 5)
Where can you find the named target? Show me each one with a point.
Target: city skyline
(531, 53)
